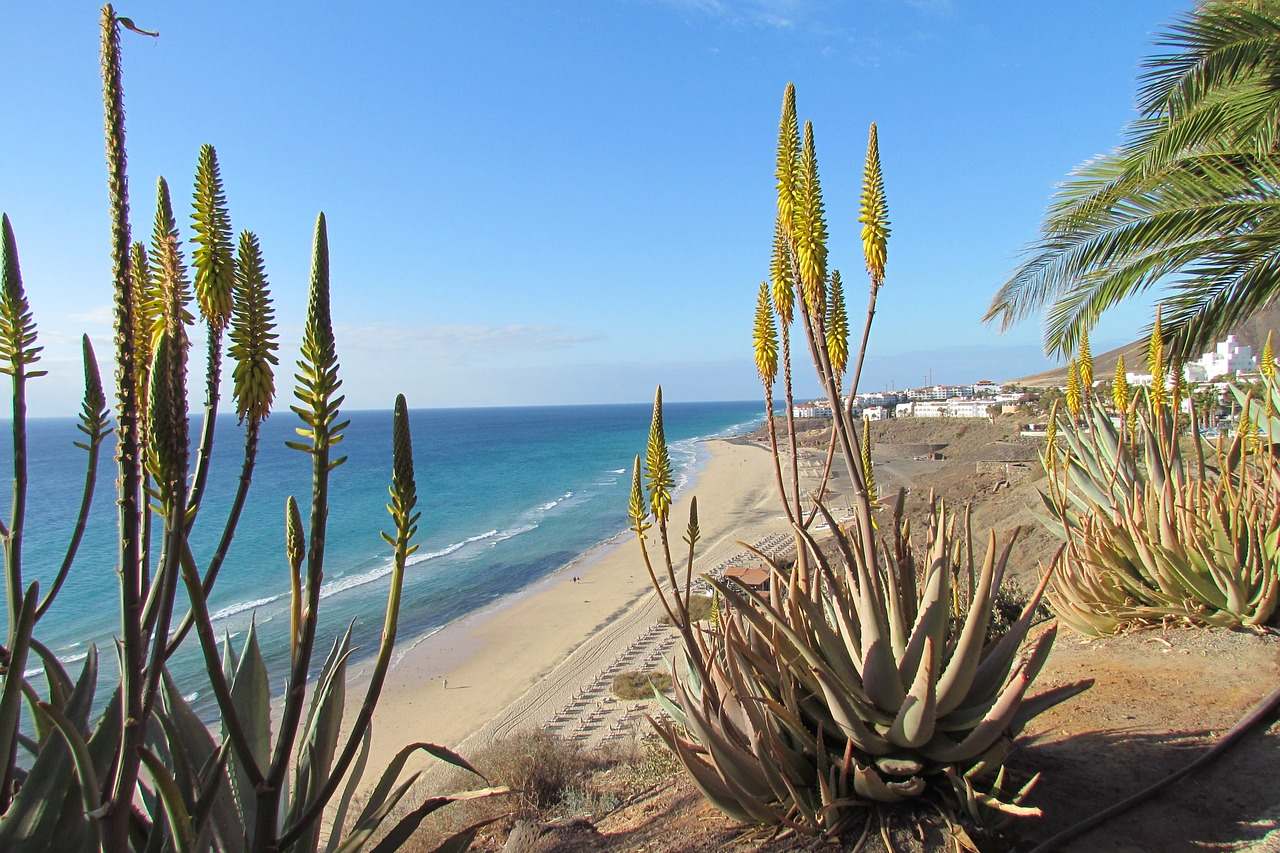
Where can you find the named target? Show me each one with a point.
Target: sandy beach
(511, 664)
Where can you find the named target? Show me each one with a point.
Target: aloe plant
(863, 678)
(147, 773)
(1157, 526)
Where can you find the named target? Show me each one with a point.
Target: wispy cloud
(933, 7)
(463, 342)
(774, 14)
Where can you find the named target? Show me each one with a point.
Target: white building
(1227, 358)
(877, 413)
(816, 409)
(940, 392)
(970, 408)
(986, 388)
(956, 407)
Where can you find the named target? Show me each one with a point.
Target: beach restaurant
(752, 577)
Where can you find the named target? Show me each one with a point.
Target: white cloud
(98, 315)
(774, 14)
(464, 342)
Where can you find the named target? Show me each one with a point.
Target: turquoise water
(508, 495)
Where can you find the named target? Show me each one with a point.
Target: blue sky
(562, 202)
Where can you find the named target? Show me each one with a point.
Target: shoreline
(454, 681)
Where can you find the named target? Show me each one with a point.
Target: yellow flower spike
(1120, 388)
(1085, 358)
(1267, 366)
(636, 507)
(764, 338)
(1179, 386)
(780, 274)
(788, 159)
(874, 212)
(1155, 365)
(1051, 436)
(1073, 390)
(868, 469)
(658, 465)
(809, 228)
(837, 326)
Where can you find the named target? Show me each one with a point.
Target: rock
(568, 836)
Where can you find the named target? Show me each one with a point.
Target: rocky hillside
(1252, 332)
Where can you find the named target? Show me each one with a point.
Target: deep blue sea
(507, 495)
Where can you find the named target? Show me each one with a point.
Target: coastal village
(1206, 381)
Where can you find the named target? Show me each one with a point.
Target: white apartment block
(816, 409)
(956, 407)
(940, 393)
(1226, 359)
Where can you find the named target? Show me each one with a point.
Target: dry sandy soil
(1160, 697)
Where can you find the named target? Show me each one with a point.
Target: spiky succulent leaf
(837, 326)
(211, 234)
(253, 336)
(764, 338)
(1154, 537)
(809, 227)
(874, 211)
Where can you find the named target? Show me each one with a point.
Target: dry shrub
(699, 609)
(634, 684)
(537, 766)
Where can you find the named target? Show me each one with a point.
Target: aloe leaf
(80, 758)
(175, 809)
(371, 818)
(996, 662)
(914, 725)
(56, 678)
(1036, 705)
(378, 795)
(704, 776)
(189, 738)
(320, 737)
(1001, 715)
(11, 692)
(958, 677)
(400, 833)
(251, 698)
(353, 782)
(460, 842)
(737, 765)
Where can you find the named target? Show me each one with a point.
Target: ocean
(508, 495)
